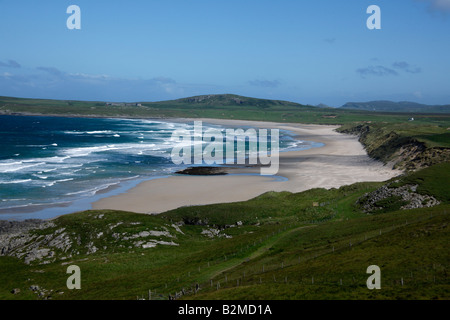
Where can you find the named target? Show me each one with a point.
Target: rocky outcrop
(215, 233)
(19, 240)
(15, 235)
(406, 197)
(8, 227)
(43, 242)
(203, 171)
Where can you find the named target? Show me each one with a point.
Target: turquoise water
(51, 165)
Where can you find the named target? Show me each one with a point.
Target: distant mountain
(323, 105)
(390, 106)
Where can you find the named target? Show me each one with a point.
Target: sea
(50, 166)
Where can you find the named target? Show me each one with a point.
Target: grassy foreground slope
(311, 245)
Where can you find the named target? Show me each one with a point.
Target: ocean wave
(86, 151)
(92, 191)
(130, 178)
(16, 181)
(14, 167)
(90, 132)
(52, 183)
(55, 159)
(40, 177)
(2, 164)
(9, 200)
(37, 205)
(100, 132)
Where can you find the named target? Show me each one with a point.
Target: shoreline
(51, 210)
(341, 160)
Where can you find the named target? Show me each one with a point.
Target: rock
(407, 193)
(203, 171)
(177, 228)
(91, 248)
(213, 232)
(35, 288)
(15, 291)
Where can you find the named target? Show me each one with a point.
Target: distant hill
(390, 106)
(218, 100)
(323, 105)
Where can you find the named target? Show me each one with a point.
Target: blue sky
(304, 51)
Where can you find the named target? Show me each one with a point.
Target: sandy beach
(341, 161)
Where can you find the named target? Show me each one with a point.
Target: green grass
(283, 242)
(415, 252)
(431, 181)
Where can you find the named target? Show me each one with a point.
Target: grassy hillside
(408, 145)
(390, 106)
(311, 245)
(214, 106)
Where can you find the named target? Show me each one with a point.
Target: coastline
(341, 161)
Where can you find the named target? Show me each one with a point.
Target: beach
(341, 161)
